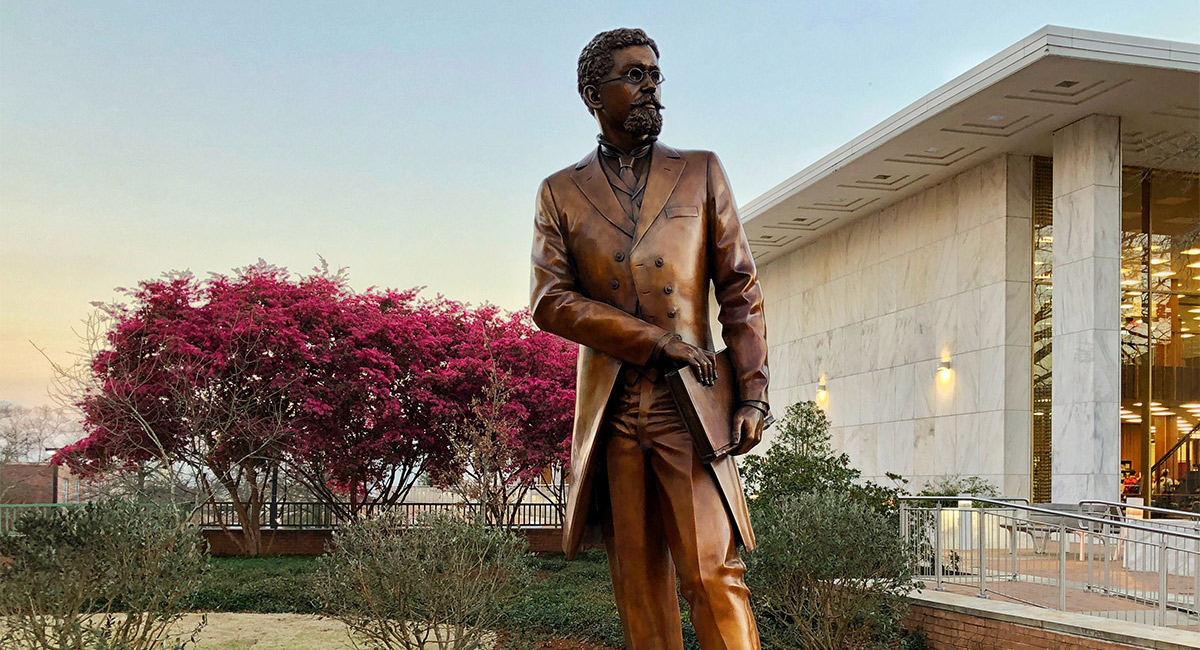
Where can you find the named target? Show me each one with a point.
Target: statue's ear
(591, 97)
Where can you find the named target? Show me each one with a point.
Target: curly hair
(596, 59)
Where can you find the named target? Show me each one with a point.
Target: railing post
(982, 553)
(1162, 579)
(1087, 543)
(1062, 566)
(1195, 565)
(937, 547)
(1012, 542)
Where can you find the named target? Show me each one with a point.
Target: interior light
(1159, 260)
(1194, 265)
(1192, 251)
(1163, 274)
(1128, 283)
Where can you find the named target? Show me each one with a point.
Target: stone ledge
(1081, 625)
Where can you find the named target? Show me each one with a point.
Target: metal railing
(1089, 558)
(300, 515)
(315, 515)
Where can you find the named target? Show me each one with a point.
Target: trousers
(667, 516)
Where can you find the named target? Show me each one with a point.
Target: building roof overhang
(1011, 103)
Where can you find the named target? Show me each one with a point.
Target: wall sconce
(821, 392)
(943, 369)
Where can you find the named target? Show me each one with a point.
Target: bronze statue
(626, 243)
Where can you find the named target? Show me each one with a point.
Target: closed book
(708, 410)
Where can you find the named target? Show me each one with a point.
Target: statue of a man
(625, 246)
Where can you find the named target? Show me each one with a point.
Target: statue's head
(619, 81)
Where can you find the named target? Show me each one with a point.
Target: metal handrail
(1165, 511)
(1158, 571)
(1058, 513)
(1171, 452)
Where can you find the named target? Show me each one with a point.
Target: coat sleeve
(559, 307)
(743, 325)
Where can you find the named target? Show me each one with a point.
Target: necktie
(625, 160)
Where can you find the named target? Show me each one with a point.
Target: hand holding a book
(748, 426)
(702, 362)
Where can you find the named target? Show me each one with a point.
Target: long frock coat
(593, 269)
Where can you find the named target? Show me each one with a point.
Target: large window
(1160, 349)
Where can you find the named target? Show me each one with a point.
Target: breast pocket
(683, 211)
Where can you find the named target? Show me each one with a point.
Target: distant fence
(315, 515)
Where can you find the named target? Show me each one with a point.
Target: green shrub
(831, 569)
(801, 460)
(106, 576)
(829, 573)
(268, 585)
(443, 583)
(956, 485)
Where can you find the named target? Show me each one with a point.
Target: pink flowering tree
(202, 373)
(507, 401)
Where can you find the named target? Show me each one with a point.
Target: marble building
(991, 281)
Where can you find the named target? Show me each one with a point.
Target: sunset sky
(405, 140)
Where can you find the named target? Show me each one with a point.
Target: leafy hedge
(271, 585)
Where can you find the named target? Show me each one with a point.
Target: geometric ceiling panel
(884, 182)
(839, 205)
(1072, 92)
(998, 126)
(935, 156)
(1185, 112)
(806, 224)
(771, 240)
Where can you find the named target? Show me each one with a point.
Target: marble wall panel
(1087, 153)
(874, 305)
(968, 206)
(992, 372)
(896, 446)
(1018, 313)
(1018, 172)
(965, 378)
(967, 321)
(993, 310)
(967, 248)
(1018, 368)
(993, 251)
(1017, 451)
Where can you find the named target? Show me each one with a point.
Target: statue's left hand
(748, 422)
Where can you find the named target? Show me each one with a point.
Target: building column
(1086, 428)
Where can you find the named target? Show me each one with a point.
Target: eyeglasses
(636, 76)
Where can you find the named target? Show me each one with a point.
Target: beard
(643, 121)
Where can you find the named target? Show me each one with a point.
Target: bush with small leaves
(829, 573)
(443, 583)
(111, 575)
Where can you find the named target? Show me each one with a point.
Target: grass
(570, 602)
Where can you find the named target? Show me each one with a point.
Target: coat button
(620, 256)
(658, 261)
(671, 314)
(667, 289)
(615, 284)
(678, 337)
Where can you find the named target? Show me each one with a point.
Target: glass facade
(1160, 351)
(1043, 336)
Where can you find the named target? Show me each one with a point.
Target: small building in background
(38, 483)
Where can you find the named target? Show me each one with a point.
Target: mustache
(650, 102)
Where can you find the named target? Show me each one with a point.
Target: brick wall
(26, 483)
(952, 621)
(946, 630)
(312, 542)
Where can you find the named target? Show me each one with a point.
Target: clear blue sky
(406, 140)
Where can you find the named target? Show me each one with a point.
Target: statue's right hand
(702, 362)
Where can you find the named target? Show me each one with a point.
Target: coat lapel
(666, 166)
(590, 180)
